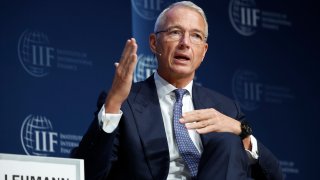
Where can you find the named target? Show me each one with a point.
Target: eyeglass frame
(182, 33)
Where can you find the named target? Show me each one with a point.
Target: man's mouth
(182, 57)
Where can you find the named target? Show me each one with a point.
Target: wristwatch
(245, 129)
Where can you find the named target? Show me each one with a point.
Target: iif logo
(247, 89)
(149, 9)
(244, 16)
(37, 136)
(249, 16)
(35, 53)
(147, 65)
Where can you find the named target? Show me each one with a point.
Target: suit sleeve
(267, 167)
(97, 148)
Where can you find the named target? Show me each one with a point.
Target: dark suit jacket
(138, 148)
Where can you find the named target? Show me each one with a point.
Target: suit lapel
(151, 130)
(201, 101)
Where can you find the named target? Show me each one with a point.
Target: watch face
(245, 129)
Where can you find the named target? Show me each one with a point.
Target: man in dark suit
(166, 127)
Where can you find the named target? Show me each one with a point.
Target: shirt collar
(164, 88)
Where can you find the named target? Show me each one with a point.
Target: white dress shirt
(177, 168)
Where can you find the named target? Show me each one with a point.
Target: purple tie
(187, 149)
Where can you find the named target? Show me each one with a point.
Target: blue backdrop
(57, 56)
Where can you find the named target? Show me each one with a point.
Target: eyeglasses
(175, 34)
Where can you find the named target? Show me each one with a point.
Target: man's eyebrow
(179, 27)
(175, 26)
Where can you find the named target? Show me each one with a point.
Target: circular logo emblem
(33, 52)
(246, 89)
(33, 134)
(149, 9)
(241, 17)
(147, 64)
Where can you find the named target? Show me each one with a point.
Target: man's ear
(152, 42)
(206, 46)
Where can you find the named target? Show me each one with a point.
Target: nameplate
(23, 167)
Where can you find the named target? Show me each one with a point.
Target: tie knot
(179, 94)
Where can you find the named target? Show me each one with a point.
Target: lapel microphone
(155, 52)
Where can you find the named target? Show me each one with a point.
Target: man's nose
(185, 40)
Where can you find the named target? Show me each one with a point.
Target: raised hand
(123, 77)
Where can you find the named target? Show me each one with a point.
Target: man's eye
(197, 36)
(175, 32)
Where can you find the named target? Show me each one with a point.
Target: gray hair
(188, 4)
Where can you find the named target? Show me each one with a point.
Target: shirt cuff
(107, 121)
(253, 154)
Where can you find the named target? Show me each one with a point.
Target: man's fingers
(131, 66)
(202, 127)
(129, 49)
(198, 115)
(130, 63)
(206, 130)
(125, 67)
(126, 50)
(199, 124)
(130, 56)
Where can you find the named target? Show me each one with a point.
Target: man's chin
(182, 72)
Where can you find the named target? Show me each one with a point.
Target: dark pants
(223, 158)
